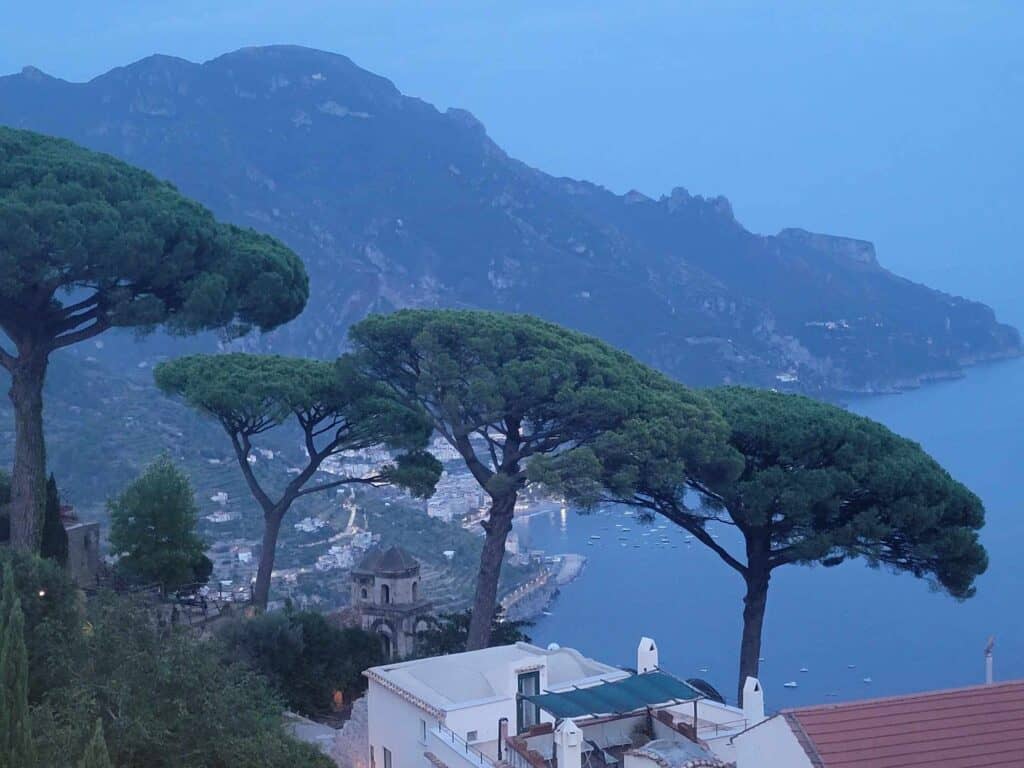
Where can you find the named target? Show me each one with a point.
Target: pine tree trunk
(28, 479)
(271, 529)
(754, 603)
(496, 527)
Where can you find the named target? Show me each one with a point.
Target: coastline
(529, 601)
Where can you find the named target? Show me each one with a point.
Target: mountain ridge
(392, 202)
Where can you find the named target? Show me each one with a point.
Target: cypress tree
(55, 538)
(16, 748)
(96, 755)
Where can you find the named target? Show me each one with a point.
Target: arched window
(385, 594)
(363, 593)
(415, 591)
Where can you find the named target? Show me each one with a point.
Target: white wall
(770, 745)
(482, 718)
(395, 723)
(638, 761)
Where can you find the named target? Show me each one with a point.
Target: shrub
(305, 658)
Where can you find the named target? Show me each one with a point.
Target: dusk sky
(896, 122)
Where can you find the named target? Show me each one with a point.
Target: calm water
(893, 628)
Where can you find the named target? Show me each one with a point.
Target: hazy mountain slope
(393, 203)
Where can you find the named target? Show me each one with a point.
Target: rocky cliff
(393, 203)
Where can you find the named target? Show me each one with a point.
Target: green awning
(650, 689)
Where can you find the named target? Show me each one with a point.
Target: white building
(528, 707)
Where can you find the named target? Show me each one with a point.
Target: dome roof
(388, 562)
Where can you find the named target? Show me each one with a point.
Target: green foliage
(822, 485)
(305, 658)
(152, 528)
(675, 438)
(483, 373)
(166, 700)
(88, 243)
(250, 394)
(52, 610)
(136, 251)
(17, 749)
(449, 633)
(55, 539)
(96, 755)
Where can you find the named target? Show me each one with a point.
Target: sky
(896, 122)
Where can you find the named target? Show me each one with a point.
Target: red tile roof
(976, 727)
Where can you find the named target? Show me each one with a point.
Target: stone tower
(386, 592)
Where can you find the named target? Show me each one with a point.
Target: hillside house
(522, 706)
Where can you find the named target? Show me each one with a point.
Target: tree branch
(375, 480)
(476, 467)
(687, 522)
(99, 326)
(7, 360)
(71, 309)
(243, 448)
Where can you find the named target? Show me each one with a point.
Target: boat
(867, 680)
(804, 669)
(790, 684)
(851, 666)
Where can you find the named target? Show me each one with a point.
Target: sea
(841, 633)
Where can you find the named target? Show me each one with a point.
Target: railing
(717, 728)
(519, 755)
(459, 744)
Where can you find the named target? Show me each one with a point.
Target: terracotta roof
(977, 727)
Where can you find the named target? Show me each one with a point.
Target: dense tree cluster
(104, 683)
(307, 659)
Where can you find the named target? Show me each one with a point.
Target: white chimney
(988, 660)
(646, 655)
(753, 701)
(568, 745)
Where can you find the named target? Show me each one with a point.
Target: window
(423, 731)
(527, 713)
(415, 591)
(471, 736)
(373, 763)
(385, 594)
(363, 593)
(387, 757)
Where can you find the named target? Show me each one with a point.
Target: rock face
(393, 203)
(352, 744)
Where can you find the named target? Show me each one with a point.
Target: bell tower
(386, 592)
